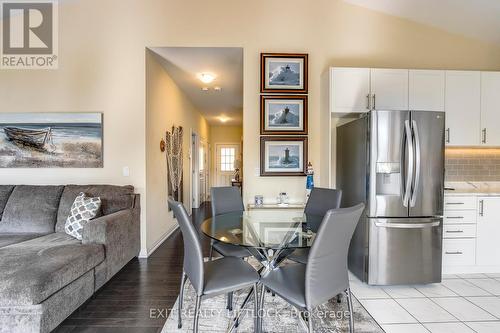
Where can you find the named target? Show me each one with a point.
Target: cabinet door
(350, 90)
(488, 231)
(463, 108)
(426, 90)
(490, 108)
(389, 88)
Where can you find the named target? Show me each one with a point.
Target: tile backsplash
(469, 164)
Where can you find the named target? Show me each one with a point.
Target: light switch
(126, 171)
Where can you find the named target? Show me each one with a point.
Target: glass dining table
(269, 235)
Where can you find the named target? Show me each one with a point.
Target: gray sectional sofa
(46, 274)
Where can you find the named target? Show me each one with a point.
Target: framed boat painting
(283, 115)
(283, 73)
(283, 156)
(51, 140)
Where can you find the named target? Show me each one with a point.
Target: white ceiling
(479, 19)
(184, 64)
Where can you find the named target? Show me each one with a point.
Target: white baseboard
(146, 253)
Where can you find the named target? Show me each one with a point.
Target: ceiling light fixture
(224, 119)
(206, 77)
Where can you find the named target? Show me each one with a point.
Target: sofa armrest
(119, 233)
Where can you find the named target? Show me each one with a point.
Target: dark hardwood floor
(143, 287)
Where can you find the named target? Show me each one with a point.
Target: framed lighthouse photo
(283, 73)
(283, 156)
(283, 115)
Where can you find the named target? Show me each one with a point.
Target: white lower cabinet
(488, 231)
(471, 234)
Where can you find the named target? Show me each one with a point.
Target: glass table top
(264, 229)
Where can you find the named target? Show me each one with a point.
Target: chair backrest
(226, 199)
(193, 254)
(326, 271)
(322, 200)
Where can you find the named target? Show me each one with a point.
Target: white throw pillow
(83, 209)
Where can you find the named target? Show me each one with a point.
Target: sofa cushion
(8, 239)
(113, 199)
(34, 270)
(31, 209)
(5, 191)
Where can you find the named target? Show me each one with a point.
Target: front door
(226, 154)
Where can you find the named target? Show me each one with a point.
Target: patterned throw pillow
(82, 210)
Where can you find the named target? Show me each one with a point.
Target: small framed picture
(283, 73)
(283, 115)
(283, 156)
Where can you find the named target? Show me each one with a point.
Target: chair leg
(256, 307)
(196, 314)
(310, 321)
(230, 301)
(181, 299)
(351, 311)
(211, 252)
(261, 308)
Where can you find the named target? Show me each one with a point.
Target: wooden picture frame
(284, 73)
(283, 115)
(283, 156)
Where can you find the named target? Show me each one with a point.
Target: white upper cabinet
(490, 108)
(426, 90)
(389, 89)
(463, 107)
(350, 89)
(488, 229)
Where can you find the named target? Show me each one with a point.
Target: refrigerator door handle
(417, 152)
(408, 225)
(409, 173)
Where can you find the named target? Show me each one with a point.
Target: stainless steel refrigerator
(394, 162)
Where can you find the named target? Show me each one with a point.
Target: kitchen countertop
(473, 188)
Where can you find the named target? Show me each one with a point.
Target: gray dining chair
(325, 275)
(225, 200)
(320, 201)
(211, 278)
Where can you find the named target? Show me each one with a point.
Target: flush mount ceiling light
(206, 77)
(223, 119)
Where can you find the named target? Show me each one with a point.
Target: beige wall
(166, 106)
(222, 134)
(102, 68)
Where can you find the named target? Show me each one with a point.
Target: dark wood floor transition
(143, 287)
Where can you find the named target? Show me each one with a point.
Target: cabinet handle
(447, 135)
(456, 252)
(454, 231)
(454, 217)
(484, 135)
(368, 102)
(455, 203)
(374, 104)
(481, 207)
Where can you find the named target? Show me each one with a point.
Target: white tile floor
(460, 303)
